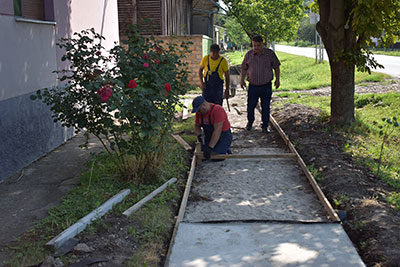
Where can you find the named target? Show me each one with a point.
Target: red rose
(167, 87)
(98, 53)
(158, 50)
(156, 61)
(146, 65)
(105, 92)
(146, 56)
(132, 84)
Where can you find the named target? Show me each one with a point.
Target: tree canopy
(234, 30)
(354, 24)
(276, 20)
(346, 28)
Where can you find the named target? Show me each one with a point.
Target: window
(34, 9)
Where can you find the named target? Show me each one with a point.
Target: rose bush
(126, 97)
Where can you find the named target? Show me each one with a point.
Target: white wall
(27, 57)
(76, 15)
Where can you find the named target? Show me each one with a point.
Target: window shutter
(150, 10)
(33, 9)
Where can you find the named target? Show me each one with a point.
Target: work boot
(266, 130)
(249, 126)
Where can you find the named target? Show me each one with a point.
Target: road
(391, 63)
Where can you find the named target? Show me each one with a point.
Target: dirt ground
(372, 224)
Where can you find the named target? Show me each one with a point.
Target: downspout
(209, 18)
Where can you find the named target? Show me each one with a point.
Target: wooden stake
(198, 154)
(181, 141)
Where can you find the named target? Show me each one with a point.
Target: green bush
(126, 97)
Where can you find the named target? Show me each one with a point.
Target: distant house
(29, 30)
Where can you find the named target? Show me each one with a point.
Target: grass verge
(98, 182)
(366, 140)
(301, 73)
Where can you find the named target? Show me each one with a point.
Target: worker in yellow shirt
(213, 69)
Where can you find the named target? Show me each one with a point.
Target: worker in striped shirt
(258, 64)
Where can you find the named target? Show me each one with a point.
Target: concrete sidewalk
(26, 196)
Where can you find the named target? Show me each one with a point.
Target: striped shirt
(259, 67)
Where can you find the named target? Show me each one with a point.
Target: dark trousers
(264, 92)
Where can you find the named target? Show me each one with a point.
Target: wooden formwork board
(182, 207)
(328, 207)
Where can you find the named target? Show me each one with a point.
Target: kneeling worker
(217, 129)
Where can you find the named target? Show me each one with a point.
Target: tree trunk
(342, 93)
(339, 39)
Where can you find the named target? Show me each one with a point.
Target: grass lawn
(386, 52)
(365, 133)
(301, 73)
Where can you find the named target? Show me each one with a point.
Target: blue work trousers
(264, 92)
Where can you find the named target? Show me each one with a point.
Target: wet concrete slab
(262, 244)
(253, 189)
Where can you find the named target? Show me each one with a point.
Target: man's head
(257, 42)
(214, 49)
(200, 105)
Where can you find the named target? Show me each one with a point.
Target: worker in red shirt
(217, 129)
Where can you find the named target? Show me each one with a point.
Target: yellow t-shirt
(223, 67)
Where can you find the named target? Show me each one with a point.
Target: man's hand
(207, 152)
(277, 84)
(227, 93)
(243, 84)
(202, 86)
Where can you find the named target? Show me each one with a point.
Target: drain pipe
(209, 18)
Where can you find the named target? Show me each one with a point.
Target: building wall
(199, 48)
(28, 56)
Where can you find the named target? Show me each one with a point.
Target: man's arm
(216, 134)
(202, 85)
(227, 83)
(242, 76)
(197, 129)
(277, 77)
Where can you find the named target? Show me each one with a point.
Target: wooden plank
(249, 156)
(79, 226)
(328, 207)
(182, 142)
(149, 197)
(182, 207)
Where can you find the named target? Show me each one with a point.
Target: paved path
(257, 212)
(26, 196)
(391, 63)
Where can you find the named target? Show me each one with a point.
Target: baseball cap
(197, 103)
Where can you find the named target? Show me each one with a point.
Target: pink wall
(6, 7)
(29, 53)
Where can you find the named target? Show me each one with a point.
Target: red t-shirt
(218, 114)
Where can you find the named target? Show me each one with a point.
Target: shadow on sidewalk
(26, 196)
